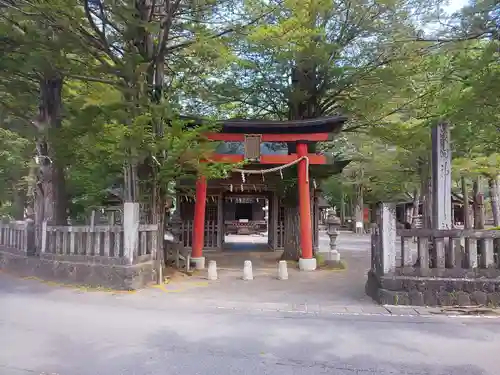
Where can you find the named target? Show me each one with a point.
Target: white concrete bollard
(247, 270)
(212, 270)
(282, 270)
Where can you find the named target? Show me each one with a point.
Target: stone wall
(441, 271)
(117, 257)
(85, 272)
(429, 291)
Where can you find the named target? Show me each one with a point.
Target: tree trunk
(466, 208)
(358, 208)
(494, 196)
(292, 233)
(30, 195)
(19, 203)
(466, 213)
(51, 200)
(302, 104)
(478, 205)
(426, 197)
(342, 209)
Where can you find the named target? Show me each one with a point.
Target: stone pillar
(441, 188)
(307, 262)
(199, 223)
(130, 230)
(387, 237)
(441, 177)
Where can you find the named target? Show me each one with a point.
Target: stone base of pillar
(199, 263)
(332, 256)
(307, 264)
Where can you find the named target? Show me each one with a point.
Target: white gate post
(387, 233)
(130, 230)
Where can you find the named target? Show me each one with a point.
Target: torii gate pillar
(306, 262)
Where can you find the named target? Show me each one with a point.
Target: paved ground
(339, 288)
(51, 330)
(311, 324)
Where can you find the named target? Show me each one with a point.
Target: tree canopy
(94, 89)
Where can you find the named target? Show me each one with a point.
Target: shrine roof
(331, 124)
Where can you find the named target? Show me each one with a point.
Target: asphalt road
(49, 330)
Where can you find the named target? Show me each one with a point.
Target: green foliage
(487, 166)
(126, 82)
(456, 79)
(14, 165)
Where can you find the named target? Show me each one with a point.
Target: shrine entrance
(245, 222)
(244, 212)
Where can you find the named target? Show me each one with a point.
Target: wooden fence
(17, 236)
(280, 234)
(97, 243)
(453, 248)
(447, 252)
(211, 234)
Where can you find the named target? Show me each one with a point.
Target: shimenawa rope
(274, 169)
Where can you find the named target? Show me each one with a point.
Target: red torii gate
(298, 135)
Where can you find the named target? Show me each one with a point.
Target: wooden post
(72, 243)
(316, 222)
(423, 252)
(65, 244)
(487, 258)
(199, 222)
(359, 208)
(268, 215)
(97, 244)
(494, 184)
(467, 218)
(406, 255)
(118, 243)
(375, 248)
(479, 212)
(415, 208)
(471, 256)
(107, 243)
(304, 205)
(220, 221)
(274, 218)
(342, 208)
(143, 241)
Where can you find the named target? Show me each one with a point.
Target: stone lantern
(333, 226)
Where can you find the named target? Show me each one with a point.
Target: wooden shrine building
(248, 200)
